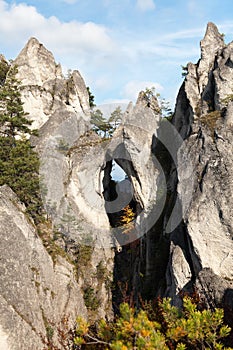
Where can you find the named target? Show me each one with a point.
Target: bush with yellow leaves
(136, 330)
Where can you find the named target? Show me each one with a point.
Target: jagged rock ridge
(204, 117)
(44, 88)
(180, 191)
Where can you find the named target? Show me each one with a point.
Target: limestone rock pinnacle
(210, 45)
(37, 64)
(45, 91)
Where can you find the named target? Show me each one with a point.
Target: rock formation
(45, 90)
(35, 293)
(178, 187)
(38, 291)
(203, 116)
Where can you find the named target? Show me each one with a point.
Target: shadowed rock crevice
(119, 194)
(121, 205)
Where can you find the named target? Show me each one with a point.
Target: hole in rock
(122, 208)
(117, 173)
(118, 193)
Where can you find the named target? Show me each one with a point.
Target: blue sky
(119, 46)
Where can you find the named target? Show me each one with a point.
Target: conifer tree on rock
(13, 119)
(19, 163)
(4, 67)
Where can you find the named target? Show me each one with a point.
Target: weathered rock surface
(35, 293)
(204, 107)
(45, 90)
(179, 187)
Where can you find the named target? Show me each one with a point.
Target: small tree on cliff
(4, 67)
(116, 117)
(163, 106)
(19, 164)
(13, 121)
(100, 125)
(91, 98)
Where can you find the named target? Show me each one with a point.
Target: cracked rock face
(76, 167)
(45, 91)
(34, 293)
(208, 217)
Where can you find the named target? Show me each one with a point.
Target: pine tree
(116, 117)
(91, 98)
(4, 67)
(100, 125)
(171, 329)
(19, 163)
(13, 119)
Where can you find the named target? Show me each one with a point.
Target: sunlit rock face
(178, 187)
(197, 171)
(35, 293)
(205, 175)
(45, 91)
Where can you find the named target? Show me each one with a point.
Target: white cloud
(117, 102)
(20, 22)
(132, 88)
(226, 27)
(106, 58)
(184, 34)
(145, 5)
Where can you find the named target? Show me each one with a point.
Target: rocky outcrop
(178, 190)
(40, 289)
(36, 293)
(45, 91)
(204, 168)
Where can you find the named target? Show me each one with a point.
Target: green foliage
(91, 98)
(166, 110)
(84, 255)
(100, 125)
(104, 127)
(68, 222)
(174, 329)
(49, 237)
(184, 71)
(149, 93)
(101, 271)
(98, 121)
(18, 162)
(4, 67)
(49, 332)
(164, 106)
(158, 327)
(63, 146)
(20, 170)
(116, 117)
(13, 121)
(193, 328)
(90, 299)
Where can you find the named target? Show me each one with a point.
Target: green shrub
(159, 326)
(90, 299)
(174, 329)
(210, 120)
